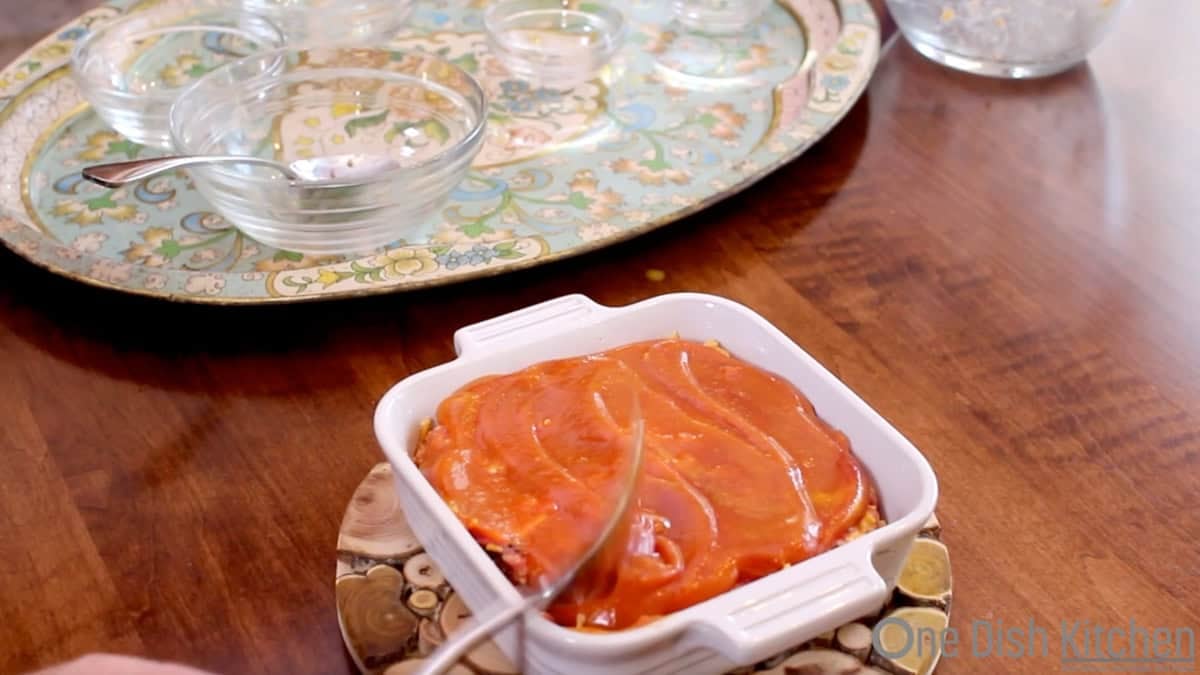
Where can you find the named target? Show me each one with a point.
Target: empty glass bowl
(423, 112)
(718, 17)
(1006, 38)
(131, 70)
(554, 43)
(340, 22)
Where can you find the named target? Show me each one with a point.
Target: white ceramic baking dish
(740, 627)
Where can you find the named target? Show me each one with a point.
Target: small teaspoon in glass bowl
(330, 170)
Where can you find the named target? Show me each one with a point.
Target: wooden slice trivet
(395, 607)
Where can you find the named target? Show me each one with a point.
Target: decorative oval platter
(395, 607)
(678, 121)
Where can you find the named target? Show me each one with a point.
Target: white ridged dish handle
(785, 609)
(544, 319)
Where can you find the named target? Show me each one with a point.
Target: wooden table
(1005, 270)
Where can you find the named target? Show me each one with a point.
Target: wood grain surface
(1004, 270)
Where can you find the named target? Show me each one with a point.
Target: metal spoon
(461, 642)
(327, 170)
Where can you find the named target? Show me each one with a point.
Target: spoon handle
(117, 174)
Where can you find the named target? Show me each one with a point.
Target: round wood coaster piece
(395, 606)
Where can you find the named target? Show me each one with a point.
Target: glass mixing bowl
(554, 43)
(132, 69)
(422, 112)
(1006, 38)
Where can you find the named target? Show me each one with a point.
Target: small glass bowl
(554, 43)
(334, 22)
(425, 113)
(718, 17)
(132, 70)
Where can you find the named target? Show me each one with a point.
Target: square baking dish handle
(787, 608)
(536, 321)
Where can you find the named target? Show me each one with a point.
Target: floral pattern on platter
(523, 121)
(766, 53)
(560, 171)
(398, 264)
(48, 54)
(347, 128)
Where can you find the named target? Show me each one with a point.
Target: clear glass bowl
(131, 70)
(1006, 38)
(334, 22)
(718, 17)
(554, 43)
(421, 111)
